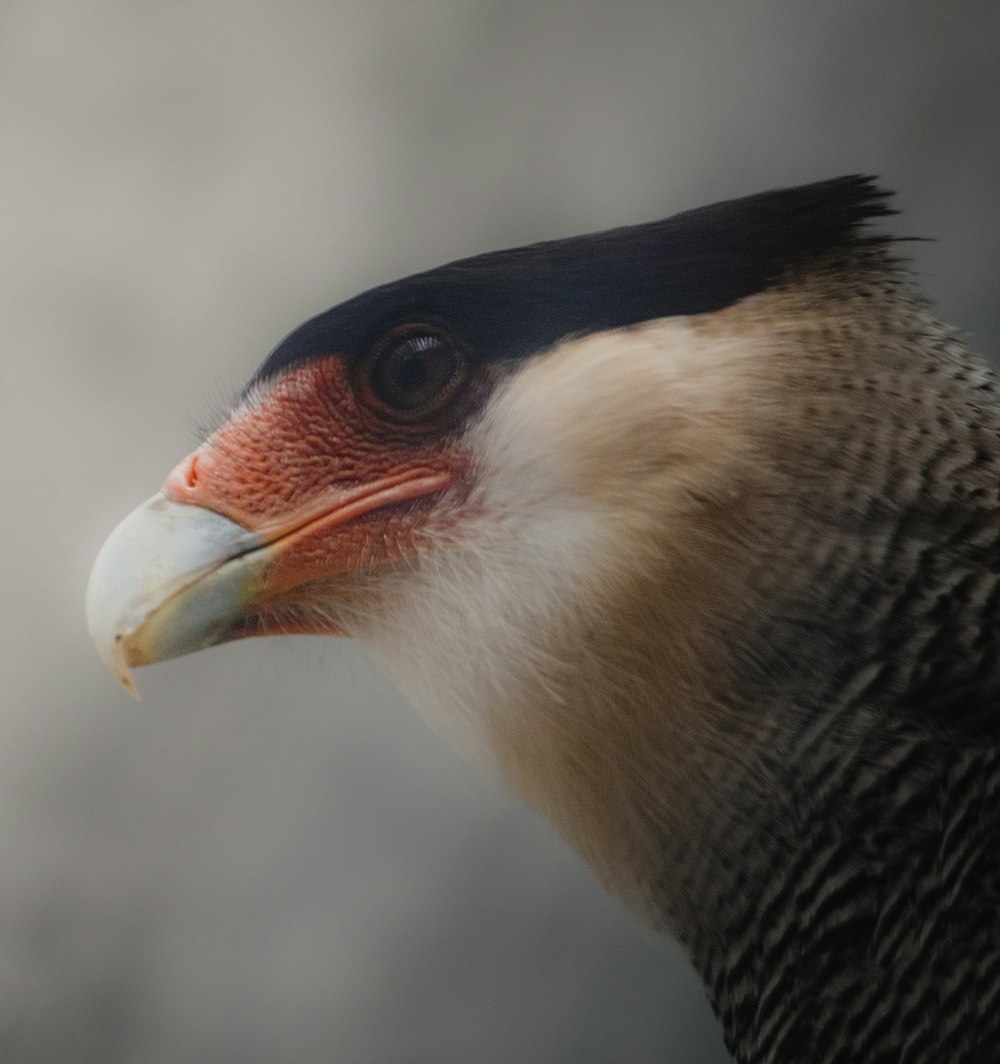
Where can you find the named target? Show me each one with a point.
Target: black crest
(514, 303)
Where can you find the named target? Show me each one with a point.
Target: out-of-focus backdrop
(271, 858)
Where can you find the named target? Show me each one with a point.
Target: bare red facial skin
(333, 483)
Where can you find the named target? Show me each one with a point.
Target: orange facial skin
(326, 480)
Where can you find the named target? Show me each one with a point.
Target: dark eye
(414, 372)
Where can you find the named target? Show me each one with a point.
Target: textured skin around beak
(169, 580)
(300, 487)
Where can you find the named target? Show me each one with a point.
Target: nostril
(184, 481)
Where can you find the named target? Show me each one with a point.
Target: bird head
(529, 480)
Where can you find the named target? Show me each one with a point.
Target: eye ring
(413, 372)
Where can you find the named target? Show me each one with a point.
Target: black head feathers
(514, 303)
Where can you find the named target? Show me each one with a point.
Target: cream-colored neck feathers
(647, 517)
(571, 627)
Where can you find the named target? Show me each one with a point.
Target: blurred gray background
(271, 858)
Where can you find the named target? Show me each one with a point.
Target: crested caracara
(694, 528)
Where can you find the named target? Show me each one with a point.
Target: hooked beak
(170, 579)
(176, 577)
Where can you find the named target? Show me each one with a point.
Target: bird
(692, 529)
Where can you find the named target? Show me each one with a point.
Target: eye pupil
(412, 373)
(415, 374)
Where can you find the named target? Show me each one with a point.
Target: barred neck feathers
(764, 710)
